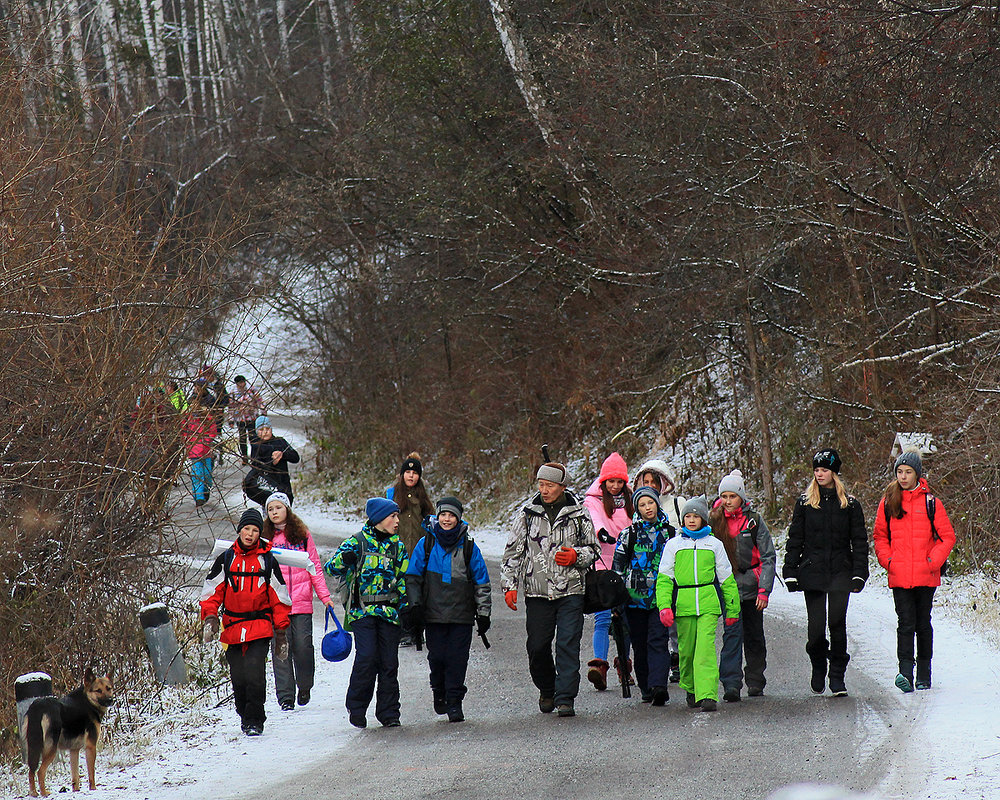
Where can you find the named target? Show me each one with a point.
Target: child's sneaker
(692, 703)
(660, 695)
(708, 704)
(904, 683)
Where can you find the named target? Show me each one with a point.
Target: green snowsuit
(693, 568)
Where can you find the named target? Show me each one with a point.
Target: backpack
(931, 506)
(230, 580)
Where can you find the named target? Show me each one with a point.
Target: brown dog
(67, 723)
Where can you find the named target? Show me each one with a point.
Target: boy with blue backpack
(448, 587)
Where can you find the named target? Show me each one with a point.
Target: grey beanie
(912, 459)
(645, 491)
(451, 504)
(553, 471)
(696, 505)
(733, 482)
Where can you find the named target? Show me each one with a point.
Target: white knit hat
(733, 482)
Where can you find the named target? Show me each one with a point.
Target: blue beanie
(261, 422)
(378, 508)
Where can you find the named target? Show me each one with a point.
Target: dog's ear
(111, 674)
(89, 677)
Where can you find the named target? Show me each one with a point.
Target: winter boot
(692, 703)
(546, 704)
(675, 668)
(455, 712)
(598, 673)
(440, 706)
(732, 694)
(818, 658)
(837, 687)
(708, 704)
(660, 695)
(923, 674)
(838, 668)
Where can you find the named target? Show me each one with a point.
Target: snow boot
(692, 703)
(660, 695)
(837, 687)
(818, 658)
(923, 674)
(624, 675)
(598, 673)
(838, 668)
(675, 668)
(304, 697)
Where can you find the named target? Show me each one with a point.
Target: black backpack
(931, 505)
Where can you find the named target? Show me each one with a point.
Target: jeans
(376, 658)
(562, 620)
(819, 607)
(299, 669)
(744, 637)
(913, 611)
(201, 477)
(246, 670)
(448, 646)
(602, 634)
(651, 646)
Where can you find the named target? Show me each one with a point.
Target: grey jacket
(440, 582)
(529, 558)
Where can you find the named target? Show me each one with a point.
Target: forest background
(728, 232)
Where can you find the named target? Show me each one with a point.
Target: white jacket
(670, 504)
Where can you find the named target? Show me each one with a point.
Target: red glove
(510, 598)
(667, 617)
(730, 621)
(566, 557)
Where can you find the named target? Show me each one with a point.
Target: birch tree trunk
(323, 31)
(17, 22)
(150, 12)
(185, 54)
(281, 9)
(79, 62)
(107, 31)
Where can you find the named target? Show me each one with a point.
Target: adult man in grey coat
(551, 547)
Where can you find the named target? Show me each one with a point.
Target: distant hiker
(826, 558)
(283, 528)
(372, 566)
(658, 475)
(245, 405)
(246, 586)
(410, 494)
(637, 560)
(751, 554)
(448, 588)
(551, 547)
(199, 433)
(695, 580)
(176, 397)
(913, 538)
(609, 503)
(269, 460)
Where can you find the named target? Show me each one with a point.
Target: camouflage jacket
(375, 585)
(529, 557)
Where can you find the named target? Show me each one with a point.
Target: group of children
(685, 566)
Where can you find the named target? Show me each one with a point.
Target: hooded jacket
(670, 503)
(374, 586)
(251, 608)
(615, 524)
(199, 434)
(529, 557)
(299, 582)
(910, 554)
(641, 567)
(827, 546)
(439, 581)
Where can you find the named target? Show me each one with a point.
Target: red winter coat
(246, 594)
(199, 433)
(299, 582)
(912, 557)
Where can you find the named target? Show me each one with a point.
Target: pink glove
(667, 617)
(730, 621)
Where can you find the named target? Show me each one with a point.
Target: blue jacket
(441, 583)
(641, 567)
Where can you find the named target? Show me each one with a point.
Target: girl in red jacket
(283, 528)
(913, 538)
(246, 585)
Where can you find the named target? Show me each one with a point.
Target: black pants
(562, 620)
(913, 611)
(376, 658)
(651, 647)
(245, 431)
(448, 646)
(246, 669)
(299, 669)
(745, 637)
(821, 608)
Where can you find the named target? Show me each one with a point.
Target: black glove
(857, 584)
(604, 536)
(406, 618)
(349, 558)
(482, 624)
(280, 646)
(416, 616)
(792, 584)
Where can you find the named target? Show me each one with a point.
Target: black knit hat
(250, 517)
(411, 462)
(452, 504)
(827, 459)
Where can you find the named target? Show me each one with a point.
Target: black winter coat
(827, 546)
(260, 459)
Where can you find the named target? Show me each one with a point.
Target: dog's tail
(39, 734)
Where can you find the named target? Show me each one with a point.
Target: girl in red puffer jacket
(284, 529)
(912, 548)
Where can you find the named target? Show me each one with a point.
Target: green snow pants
(696, 646)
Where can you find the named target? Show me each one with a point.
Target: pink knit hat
(614, 467)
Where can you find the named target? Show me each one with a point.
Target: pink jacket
(615, 524)
(299, 582)
(199, 433)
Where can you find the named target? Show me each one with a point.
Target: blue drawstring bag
(336, 644)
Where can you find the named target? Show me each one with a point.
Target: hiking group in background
(674, 567)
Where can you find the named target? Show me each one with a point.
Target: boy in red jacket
(247, 585)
